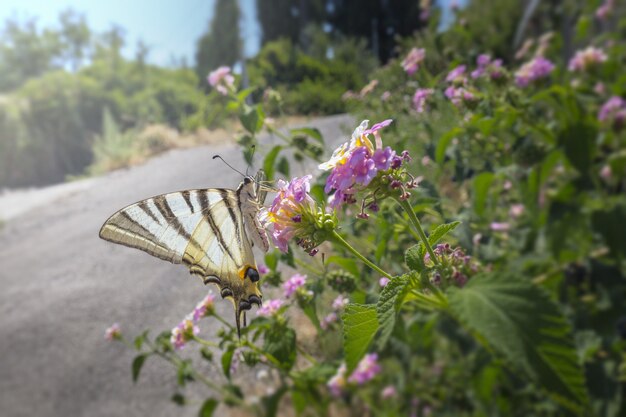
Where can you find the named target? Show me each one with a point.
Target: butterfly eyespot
(244, 305)
(253, 274)
(226, 292)
(254, 299)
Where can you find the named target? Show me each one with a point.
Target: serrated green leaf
(281, 344)
(520, 322)
(208, 407)
(138, 364)
(388, 306)
(441, 231)
(270, 161)
(482, 183)
(414, 257)
(360, 324)
(444, 141)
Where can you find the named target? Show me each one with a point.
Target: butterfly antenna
(230, 166)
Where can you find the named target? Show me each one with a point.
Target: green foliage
(521, 323)
(360, 324)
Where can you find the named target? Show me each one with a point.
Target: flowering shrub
(483, 276)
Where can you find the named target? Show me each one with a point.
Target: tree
(221, 44)
(75, 36)
(26, 52)
(288, 18)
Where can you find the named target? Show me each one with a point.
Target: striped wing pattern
(200, 228)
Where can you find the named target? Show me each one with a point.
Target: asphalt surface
(61, 287)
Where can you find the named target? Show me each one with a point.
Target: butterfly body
(211, 231)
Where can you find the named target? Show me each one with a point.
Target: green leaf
(482, 183)
(208, 408)
(349, 265)
(271, 260)
(280, 342)
(520, 322)
(178, 399)
(444, 141)
(139, 340)
(579, 143)
(414, 257)
(283, 166)
(243, 94)
(227, 359)
(270, 161)
(388, 306)
(360, 324)
(311, 132)
(441, 231)
(138, 364)
(611, 224)
(249, 118)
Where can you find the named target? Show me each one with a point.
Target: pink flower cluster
(355, 164)
(535, 69)
(457, 267)
(270, 308)
(586, 59)
(605, 9)
(419, 98)
(411, 63)
(204, 308)
(365, 371)
(183, 332)
(485, 65)
(613, 112)
(285, 214)
(293, 283)
(113, 333)
(222, 80)
(338, 305)
(186, 329)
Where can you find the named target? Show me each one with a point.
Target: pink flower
(183, 333)
(420, 97)
(385, 96)
(389, 392)
(285, 215)
(368, 88)
(329, 320)
(340, 302)
(606, 173)
(363, 166)
(411, 63)
(383, 281)
(516, 210)
(500, 227)
(263, 269)
(603, 12)
(221, 79)
(204, 307)
(338, 382)
(613, 112)
(366, 370)
(457, 75)
(270, 308)
(458, 95)
(533, 70)
(586, 59)
(113, 333)
(293, 283)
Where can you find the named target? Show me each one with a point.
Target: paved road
(61, 286)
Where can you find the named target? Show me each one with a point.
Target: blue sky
(170, 27)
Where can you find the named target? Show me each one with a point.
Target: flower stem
(336, 237)
(416, 223)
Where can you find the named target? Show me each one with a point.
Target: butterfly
(211, 231)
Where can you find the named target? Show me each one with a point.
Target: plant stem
(416, 223)
(338, 239)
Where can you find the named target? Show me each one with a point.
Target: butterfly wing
(203, 229)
